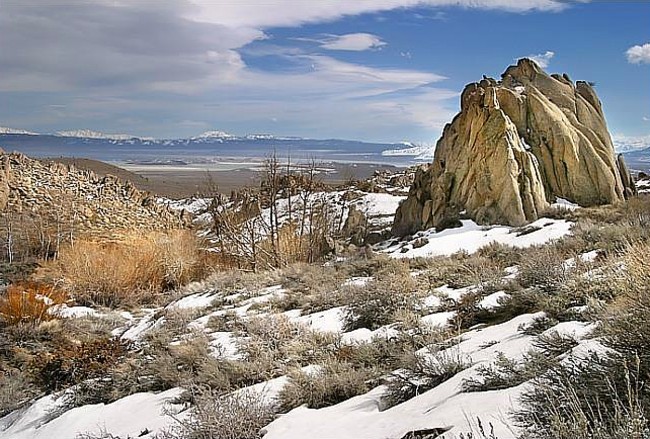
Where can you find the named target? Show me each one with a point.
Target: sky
(375, 70)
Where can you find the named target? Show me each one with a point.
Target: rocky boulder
(517, 145)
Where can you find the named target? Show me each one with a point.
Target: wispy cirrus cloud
(353, 42)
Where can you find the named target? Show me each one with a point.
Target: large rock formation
(516, 145)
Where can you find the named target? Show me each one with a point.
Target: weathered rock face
(516, 145)
(64, 196)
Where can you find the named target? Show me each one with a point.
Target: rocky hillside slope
(517, 145)
(62, 194)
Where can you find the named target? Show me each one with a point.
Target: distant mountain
(5, 130)
(214, 135)
(630, 143)
(208, 147)
(90, 134)
(417, 151)
(207, 136)
(638, 160)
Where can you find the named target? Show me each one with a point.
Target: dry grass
(133, 269)
(29, 303)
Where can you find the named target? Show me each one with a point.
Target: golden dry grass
(29, 303)
(133, 268)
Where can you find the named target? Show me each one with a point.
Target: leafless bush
(544, 269)
(333, 383)
(16, 389)
(276, 343)
(285, 221)
(506, 372)
(240, 415)
(597, 399)
(376, 303)
(422, 373)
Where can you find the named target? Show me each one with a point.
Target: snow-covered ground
(643, 186)
(138, 415)
(363, 417)
(471, 237)
(418, 152)
(444, 407)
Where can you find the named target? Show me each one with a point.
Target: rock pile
(517, 145)
(80, 200)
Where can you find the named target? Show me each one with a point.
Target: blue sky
(379, 70)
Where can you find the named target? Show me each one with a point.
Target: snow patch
(470, 237)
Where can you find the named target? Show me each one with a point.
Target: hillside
(165, 187)
(444, 334)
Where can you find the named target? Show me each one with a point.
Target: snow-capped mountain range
(217, 143)
(422, 152)
(213, 135)
(5, 130)
(202, 148)
(90, 134)
(624, 143)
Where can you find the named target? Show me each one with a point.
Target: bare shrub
(274, 342)
(285, 221)
(240, 415)
(538, 325)
(375, 304)
(599, 398)
(626, 322)
(421, 373)
(28, 236)
(16, 389)
(544, 269)
(604, 395)
(517, 302)
(553, 344)
(71, 363)
(312, 288)
(467, 270)
(501, 254)
(505, 372)
(333, 383)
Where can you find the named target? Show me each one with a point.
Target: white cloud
(353, 42)
(639, 54)
(271, 13)
(646, 118)
(542, 59)
(150, 67)
(623, 143)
